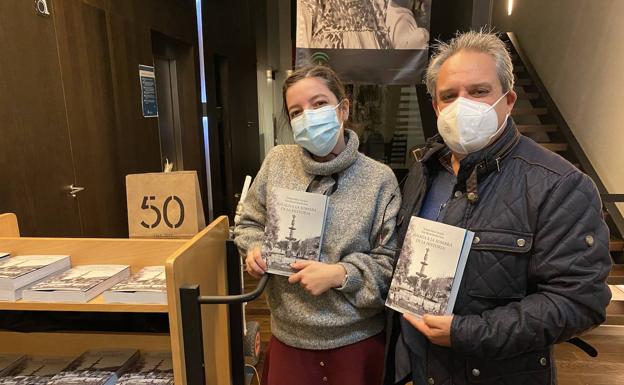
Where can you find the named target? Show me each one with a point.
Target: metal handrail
(612, 197)
(228, 299)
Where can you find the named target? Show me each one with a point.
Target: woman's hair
(322, 72)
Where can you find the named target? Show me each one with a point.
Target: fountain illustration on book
(294, 228)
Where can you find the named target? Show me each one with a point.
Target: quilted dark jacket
(536, 272)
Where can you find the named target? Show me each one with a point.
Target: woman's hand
(256, 266)
(317, 277)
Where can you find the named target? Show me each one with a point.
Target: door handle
(73, 190)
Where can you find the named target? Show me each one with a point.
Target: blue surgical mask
(317, 130)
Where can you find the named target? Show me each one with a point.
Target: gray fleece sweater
(359, 233)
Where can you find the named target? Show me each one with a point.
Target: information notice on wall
(148, 91)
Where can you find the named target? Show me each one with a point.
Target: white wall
(577, 48)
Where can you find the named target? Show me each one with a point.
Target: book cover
(97, 367)
(293, 229)
(152, 368)
(22, 270)
(36, 370)
(149, 285)
(430, 268)
(79, 284)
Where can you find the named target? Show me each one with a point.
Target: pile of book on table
(94, 367)
(51, 278)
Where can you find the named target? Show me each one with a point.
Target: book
(36, 371)
(97, 367)
(18, 272)
(149, 285)
(78, 284)
(430, 268)
(4, 255)
(152, 368)
(293, 229)
(8, 362)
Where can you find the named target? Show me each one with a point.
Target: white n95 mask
(468, 126)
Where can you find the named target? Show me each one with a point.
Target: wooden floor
(573, 365)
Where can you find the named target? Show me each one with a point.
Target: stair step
(528, 111)
(527, 95)
(533, 128)
(524, 82)
(616, 276)
(616, 244)
(555, 147)
(615, 309)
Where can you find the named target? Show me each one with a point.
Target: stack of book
(153, 368)
(147, 286)
(36, 371)
(78, 284)
(8, 362)
(97, 367)
(17, 273)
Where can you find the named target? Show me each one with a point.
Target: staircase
(408, 132)
(538, 117)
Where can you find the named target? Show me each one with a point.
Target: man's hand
(317, 277)
(256, 266)
(436, 328)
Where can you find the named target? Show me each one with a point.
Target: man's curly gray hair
(484, 42)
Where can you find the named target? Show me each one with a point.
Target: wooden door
(85, 64)
(36, 165)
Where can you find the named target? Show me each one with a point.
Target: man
(536, 271)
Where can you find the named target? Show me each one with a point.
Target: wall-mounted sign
(148, 91)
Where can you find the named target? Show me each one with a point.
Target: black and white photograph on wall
(365, 41)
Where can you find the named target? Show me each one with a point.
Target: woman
(327, 318)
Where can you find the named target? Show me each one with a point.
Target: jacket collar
(477, 165)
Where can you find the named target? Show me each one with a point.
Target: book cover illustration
(293, 229)
(80, 278)
(430, 268)
(150, 278)
(15, 267)
(148, 286)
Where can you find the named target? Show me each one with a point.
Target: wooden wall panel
(71, 109)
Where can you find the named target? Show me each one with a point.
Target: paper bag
(164, 205)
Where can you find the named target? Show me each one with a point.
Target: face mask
(317, 130)
(468, 126)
